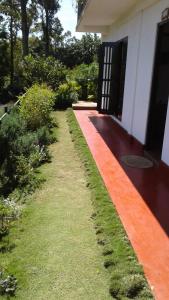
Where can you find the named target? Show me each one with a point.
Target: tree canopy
(33, 27)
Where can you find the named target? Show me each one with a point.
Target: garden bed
(55, 254)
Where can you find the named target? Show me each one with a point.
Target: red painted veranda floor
(141, 196)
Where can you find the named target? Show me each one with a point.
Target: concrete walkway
(83, 105)
(147, 235)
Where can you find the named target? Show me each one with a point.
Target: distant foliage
(36, 69)
(36, 105)
(87, 77)
(67, 94)
(79, 51)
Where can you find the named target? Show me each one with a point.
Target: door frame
(152, 82)
(102, 62)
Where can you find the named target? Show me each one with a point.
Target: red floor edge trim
(147, 236)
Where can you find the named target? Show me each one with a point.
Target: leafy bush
(87, 77)
(18, 171)
(13, 207)
(36, 105)
(42, 70)
(130, 287)
(8, 285)
(24, 144)
(8, 212)
(24, 171)
(93, 73)
(44, 136)
(67, 94)
(12, 127)
(22, 151)
(39, 156)
(4, 213)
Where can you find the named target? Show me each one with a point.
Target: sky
(68, 17)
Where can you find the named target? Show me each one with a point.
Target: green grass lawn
(126, 275)
(56, 255)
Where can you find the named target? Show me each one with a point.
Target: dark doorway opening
(113, 57)
(159, 94)
(118, 78)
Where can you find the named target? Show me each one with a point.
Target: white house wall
(141, 30)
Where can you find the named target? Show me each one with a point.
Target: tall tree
(24, 27)
(49, 9)
(28, 14)
(77, 51)
(9, 9)
(12, 44)
(4, 59)
(56, 35)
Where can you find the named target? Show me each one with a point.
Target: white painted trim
(136, 81)
(117, 121)
(165, 149)
(151, 84)
(124, 18)
(137, 8)
(95, 29)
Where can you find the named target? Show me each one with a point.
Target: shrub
(45, 136)
(67, 94)
(8, 212)
(36, 106)
(24, 171)
(11, 128)
(18, 170)
(35, 69)
(24, 144)
(38, 156)
(4, 213)
(93, 73)
(130, 287)
(14, 209)
(4, 179)
(87, 77)
(22, 151)
(8, 285)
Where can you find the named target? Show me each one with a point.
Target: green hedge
(24, 136)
